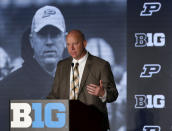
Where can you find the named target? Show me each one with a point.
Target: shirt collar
(80, 61)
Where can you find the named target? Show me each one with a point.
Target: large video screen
(26, 72)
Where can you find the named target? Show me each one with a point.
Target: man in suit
(84, 77)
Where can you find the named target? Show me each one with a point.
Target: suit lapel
(67, 76)
(85, 73)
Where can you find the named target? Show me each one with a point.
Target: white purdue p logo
(149, 70)
(150, 8)
(151, 128)
(48, 13)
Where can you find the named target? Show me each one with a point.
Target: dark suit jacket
(96, 69)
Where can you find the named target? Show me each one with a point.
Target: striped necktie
(74, 89)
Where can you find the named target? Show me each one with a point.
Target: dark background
(158, 84)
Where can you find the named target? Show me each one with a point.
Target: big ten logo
(22, 115)
(149, 39)
(151, 128)
(150, 101)
(149, 8)
(149, 70)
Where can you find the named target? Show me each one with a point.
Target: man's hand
(96, 90)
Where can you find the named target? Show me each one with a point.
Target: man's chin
(74, 56)
(50, 60)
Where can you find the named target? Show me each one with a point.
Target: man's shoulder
(98, 60)
(12, 79)
(65, 61)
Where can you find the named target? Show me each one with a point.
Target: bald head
(76, 33)
(76, 44)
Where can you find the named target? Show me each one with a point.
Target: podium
(84, 117)
(53, 115)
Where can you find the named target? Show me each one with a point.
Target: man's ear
(85, 43)
(31, 40)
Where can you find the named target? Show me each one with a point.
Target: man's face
(75, 46)
(48, 45)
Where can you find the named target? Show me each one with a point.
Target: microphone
(72, 64)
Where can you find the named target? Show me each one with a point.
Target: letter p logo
(151, 128)
(149, 70)
(150, 8)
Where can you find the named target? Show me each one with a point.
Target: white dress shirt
(81, 67)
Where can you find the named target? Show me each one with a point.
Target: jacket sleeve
(109, 83)
(54, 91)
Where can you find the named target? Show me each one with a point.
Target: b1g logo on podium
(35, 115)
(151, 128)
(150, 101)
